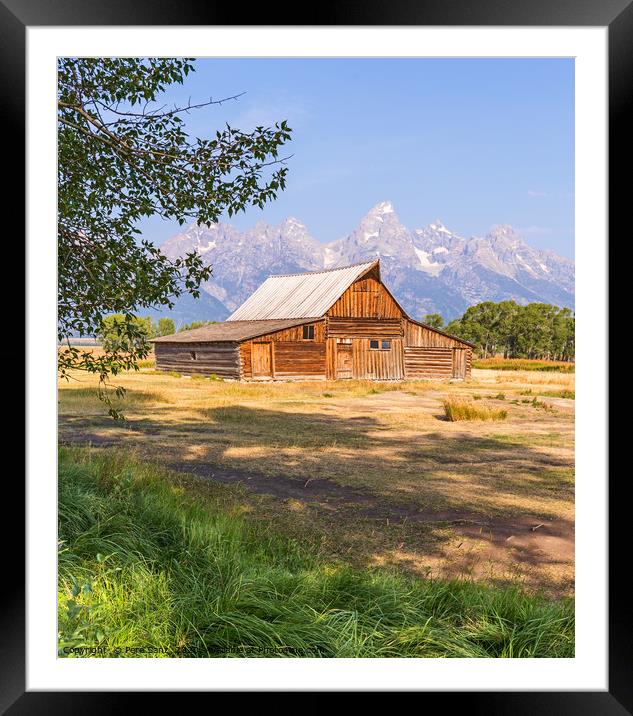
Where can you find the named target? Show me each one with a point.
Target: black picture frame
(17, 15)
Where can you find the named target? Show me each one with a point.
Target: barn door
(343, 360)
(459, 363)
(262, 360)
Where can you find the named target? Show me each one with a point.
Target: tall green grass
(147, 570)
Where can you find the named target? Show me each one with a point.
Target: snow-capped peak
(385, 207)
(438, 225)
(505, 231)
(291, 221)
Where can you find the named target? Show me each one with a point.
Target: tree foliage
(194, 324)
(164, 327)
(123, 156)
(117, 337)
(537, 330)
(434, 320)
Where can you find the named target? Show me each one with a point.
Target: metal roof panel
(304, 295)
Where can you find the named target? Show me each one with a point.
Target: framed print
(298, 432)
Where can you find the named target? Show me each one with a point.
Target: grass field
(524, 364)
(367, 478)
(148, 568)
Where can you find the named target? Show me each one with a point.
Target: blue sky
(473, 142)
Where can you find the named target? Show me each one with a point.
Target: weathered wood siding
(469, 362)
(371, 364)
(428, 362)
(304, 359)
(221, 359)
(356, 359)
(437, 362)
(418, 336)
(330, 359)
(296, 334)
(340, 327)
(431, 355)
(366, 298)
(459, 363)
(246, 366)
(291, 356)
(262, 364)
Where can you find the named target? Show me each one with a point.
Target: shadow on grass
(274, 448)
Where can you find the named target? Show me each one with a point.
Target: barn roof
(230, 331)
(300, 295)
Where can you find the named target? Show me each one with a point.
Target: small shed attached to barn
(330, 325)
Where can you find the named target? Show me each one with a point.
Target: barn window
(386, 345)
(193, 355)
(308, 333)
(379, 345)
(374, 345)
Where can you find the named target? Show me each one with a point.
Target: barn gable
(367, 297)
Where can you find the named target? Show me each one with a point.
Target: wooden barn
(329, 325)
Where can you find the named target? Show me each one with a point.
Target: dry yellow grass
(390, 441)
(526, 377)
(457, 409)
(514, 364)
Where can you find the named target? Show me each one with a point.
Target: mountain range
(429, 270)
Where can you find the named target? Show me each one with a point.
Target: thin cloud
(535, 193)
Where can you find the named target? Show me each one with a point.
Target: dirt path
(551, 540)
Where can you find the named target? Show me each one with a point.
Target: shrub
(457, 409)
(565, 393)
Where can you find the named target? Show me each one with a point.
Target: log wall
(221, 359)
(469, 362)
(339, 327)
(246, 366)
(428, 363)
(430, 355)
(305, 359)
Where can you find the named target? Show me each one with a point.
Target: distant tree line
(116, 337)
(115, 334)
(535, 331)
(194, 324)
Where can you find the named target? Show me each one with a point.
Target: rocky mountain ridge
(429, 270)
